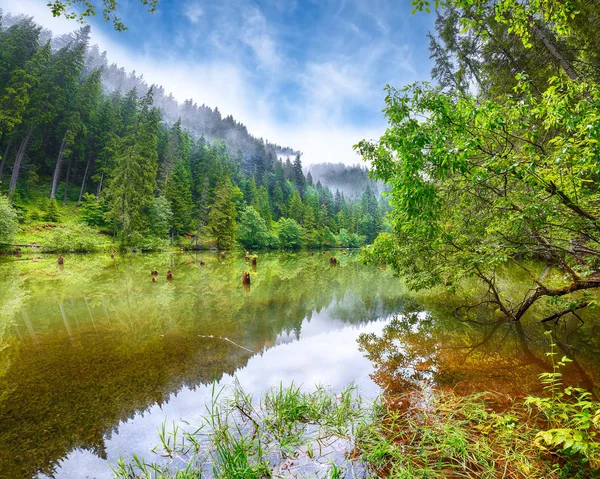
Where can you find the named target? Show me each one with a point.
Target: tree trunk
(57, 168)
(5, 158)
(100, 186)
(87, 168)
(554, 51)
(19, 160)
(66, 184)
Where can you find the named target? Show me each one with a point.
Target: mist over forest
(351, 180)
(197, 119)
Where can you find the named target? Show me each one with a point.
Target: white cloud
(316, 117)
(255, 34)
(193, 11)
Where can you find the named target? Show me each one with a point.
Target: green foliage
(133, 181)
(467, 200)
(160, 218)
(8, 221)
(222, 216)
(328, 239)
(179, 194)
(75, 238)
(252, 231)
(52, 212)
(89, 8)
(571, 415)
(93, 210)
(290, 233)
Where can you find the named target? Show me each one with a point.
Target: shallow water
(94, 357)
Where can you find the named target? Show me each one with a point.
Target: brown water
(94, 356)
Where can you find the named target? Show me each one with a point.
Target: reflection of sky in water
(325, 354)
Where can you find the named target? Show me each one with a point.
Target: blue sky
(308, 74)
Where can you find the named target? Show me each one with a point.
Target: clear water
(94, 357)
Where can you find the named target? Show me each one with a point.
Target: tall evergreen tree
(222, 216)
(133, 182)
(178, 191)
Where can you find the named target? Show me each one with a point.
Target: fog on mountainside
(349, 180)
(196, 119)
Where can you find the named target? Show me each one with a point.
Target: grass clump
(240, 438)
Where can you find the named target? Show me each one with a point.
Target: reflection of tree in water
(469, 355)
(112, 344)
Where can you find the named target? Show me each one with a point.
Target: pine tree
(38, 110)
(69, 105)
(264, 205)
(221, 219)
(133, 182)
(296, 208)
(299, 180)
(178, 191)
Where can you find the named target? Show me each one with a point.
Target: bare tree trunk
(87, 168)
(554, 51)
(19, 160)
(66, 184)
(100, 186)
(5, 158)
(57, 168)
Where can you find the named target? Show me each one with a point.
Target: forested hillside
(127, 160)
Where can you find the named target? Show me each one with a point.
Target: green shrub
(570, 414)
(290, 233)
(8, 221)
(77, 238)
(92, 210)
(53, 212)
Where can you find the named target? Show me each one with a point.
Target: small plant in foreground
(570, 413)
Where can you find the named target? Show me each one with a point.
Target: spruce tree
(221, 219)
(178, 191)
(133, 182)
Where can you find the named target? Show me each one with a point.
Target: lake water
(94, 356)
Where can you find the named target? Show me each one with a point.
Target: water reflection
(109, 355)
(94, 357)
(426, 344)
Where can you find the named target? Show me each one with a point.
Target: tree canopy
(485, 176)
